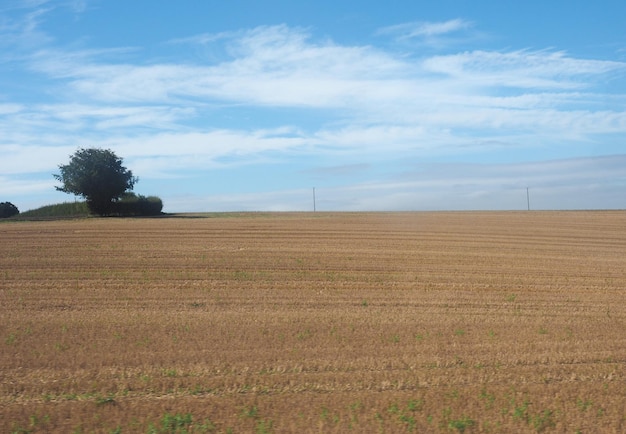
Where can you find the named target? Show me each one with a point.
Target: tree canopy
(7, 209)
(98, 176)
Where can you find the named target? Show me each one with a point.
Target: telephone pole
(528, 198)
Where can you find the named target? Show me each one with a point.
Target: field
(315, 322)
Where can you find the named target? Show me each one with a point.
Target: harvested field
(316, 322)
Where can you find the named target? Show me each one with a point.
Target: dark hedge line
(133, 205)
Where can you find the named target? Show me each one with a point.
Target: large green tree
(98, 176)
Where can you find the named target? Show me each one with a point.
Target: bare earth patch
(318, 322)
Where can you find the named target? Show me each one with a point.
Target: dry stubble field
(370, 322)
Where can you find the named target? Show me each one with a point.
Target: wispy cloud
(578, 183)
(272, 92)
(376, 96)
(521, 69)
(267, 66)
(422, 29)
(22, 31)
(21, 20)
(281, 67)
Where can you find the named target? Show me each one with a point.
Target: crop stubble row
(320, 322)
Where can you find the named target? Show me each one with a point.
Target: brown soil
(318, 322)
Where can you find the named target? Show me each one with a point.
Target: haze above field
(246, 105)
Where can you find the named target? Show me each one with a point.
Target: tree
(98, 176)
(7, 209)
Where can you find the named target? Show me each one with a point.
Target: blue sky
(247, 105)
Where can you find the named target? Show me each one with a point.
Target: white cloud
(18, 159)
(6, 109)
(270, 66)
(521, 69)
(165, 154)
(22, 22)
(11, 188)
(425, 29)
(116, 117)
(579, 183)
(282, 67)
(305, 96)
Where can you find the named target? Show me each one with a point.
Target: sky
(345, 105)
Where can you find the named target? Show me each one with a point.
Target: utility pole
(313, 199)
(528, 198)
